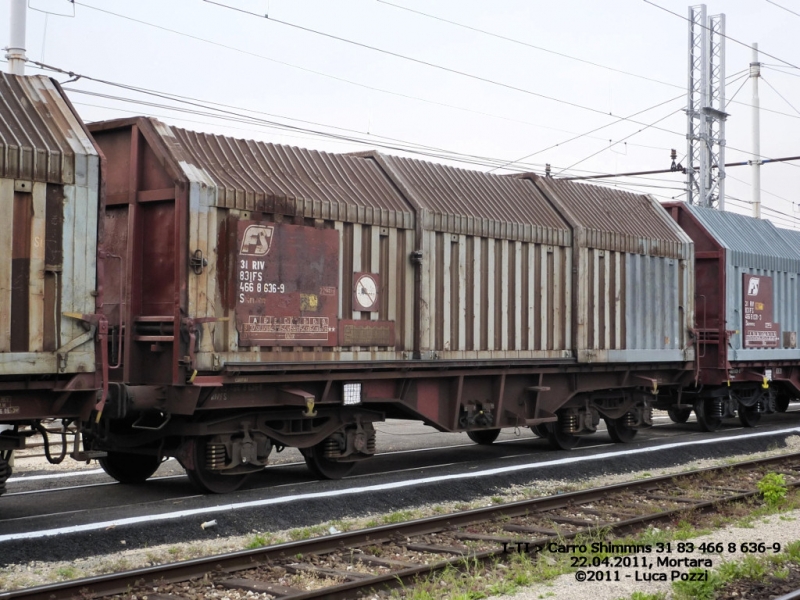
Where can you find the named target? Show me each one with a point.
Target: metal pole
(704, 145)
(718, 88)
(16, 47)
(755, 72)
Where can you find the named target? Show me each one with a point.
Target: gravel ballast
(28, 573)
(782, 529)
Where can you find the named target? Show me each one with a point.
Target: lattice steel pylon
(705, 110)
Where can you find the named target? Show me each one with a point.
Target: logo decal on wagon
(257, 240)
(752, 286)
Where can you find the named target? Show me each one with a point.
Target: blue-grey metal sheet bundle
(755, 248)
(634, 274)
(49, 191)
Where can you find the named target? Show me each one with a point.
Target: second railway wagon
(747, 317)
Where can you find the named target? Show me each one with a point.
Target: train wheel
(484, 437)
(782, 404)
(679, 415)
(619, 432)
(130, 468)
(560, 440)
(208, 480)
(707, 421)
(325, 468)
(749, 416)
(540, 430)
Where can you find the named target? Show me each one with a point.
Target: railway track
(346, 564)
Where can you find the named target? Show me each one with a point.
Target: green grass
(260, 540)
(67, 572)
(644, 596)
(698, 590)
(773, 487)
(755, 568)
(401, 516)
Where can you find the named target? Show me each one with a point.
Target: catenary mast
(705, 174)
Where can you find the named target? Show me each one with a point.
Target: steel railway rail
(657, 499)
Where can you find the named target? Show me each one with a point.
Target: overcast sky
(480, 98)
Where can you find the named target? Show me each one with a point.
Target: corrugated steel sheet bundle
(49, 190)
(371, 223)
(496, 262)
(313, 256)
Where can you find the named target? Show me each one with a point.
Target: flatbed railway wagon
(50, 185)
(264, 296)
(748, 315)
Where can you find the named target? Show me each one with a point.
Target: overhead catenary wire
(778, 213)
(554, 52)
(620, 141)
(224, 112)
(784, 159)
(529, 45)
(243, 118)
(227, 112)
(763, 191)
(506, 165)
(727, 37)
(784, 8)
(779, 69)
(432, 65)
(632, 186)
(410, 147)
(372, 141)
(509, 163)
(232, 115)
(779, 94)
(745, 78)
(527, 156)
(331, 76)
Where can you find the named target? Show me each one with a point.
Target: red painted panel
(158, 258)
(428, 399)
(379, 389)
(287, 279)
(153, 176)
(759, 329)
(115, 242)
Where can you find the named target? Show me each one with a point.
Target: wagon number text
(251, 279)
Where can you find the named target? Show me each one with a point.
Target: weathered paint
(286, 292)
(633, 275)
(749, 247)
(495, 255)
(49, 199)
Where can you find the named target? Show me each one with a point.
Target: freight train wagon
(261, 296)
(229, 297)
(748, 315)
(50, 182)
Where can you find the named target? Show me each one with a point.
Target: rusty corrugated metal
(616, 220)
(468, 202)
(495, 280)
(40, 138)
(250, 175)
(49, 195)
